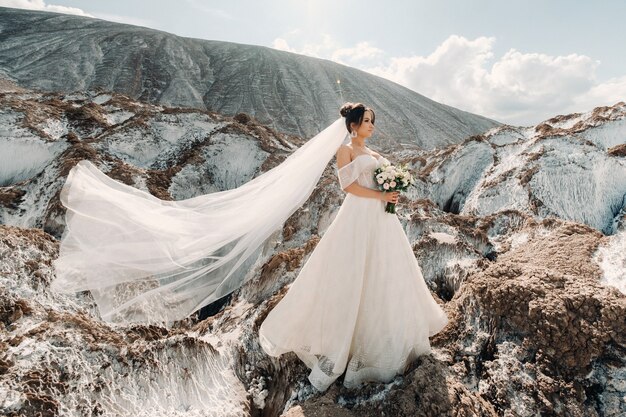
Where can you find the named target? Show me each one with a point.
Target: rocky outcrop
(539, 334)
(571, 167)
(58, 358)
(536, 311)
(532, 332)
(172, 153)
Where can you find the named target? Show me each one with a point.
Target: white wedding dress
(359, 303)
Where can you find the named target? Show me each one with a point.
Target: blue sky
(519, 62)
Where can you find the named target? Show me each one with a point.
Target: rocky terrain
(520, 233)
(571, 167)
(289, 92)
(174, 153)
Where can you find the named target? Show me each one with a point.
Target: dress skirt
(359, 304)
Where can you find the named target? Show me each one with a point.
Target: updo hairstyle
(353, 112)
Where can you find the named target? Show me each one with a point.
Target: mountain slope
(292, 93)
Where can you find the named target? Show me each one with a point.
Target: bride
(359, 304)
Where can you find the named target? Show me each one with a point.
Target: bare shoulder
(344, 150)
(376, 154)
(344, 155)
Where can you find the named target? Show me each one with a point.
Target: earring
(353, 134)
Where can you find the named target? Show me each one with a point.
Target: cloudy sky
(518, 62)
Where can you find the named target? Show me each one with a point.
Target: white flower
(393, 184)
(380, 180)
(386, 186)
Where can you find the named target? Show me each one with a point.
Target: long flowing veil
(149, 260)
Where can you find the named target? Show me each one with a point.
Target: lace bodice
(360, 169)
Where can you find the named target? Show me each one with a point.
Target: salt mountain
(518, 232)
(289, 92)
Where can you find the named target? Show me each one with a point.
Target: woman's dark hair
(353, 112)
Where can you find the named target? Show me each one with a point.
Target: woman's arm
(361, 191)
(343, 158)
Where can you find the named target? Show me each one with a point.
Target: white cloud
(363, 51)
(328, 48)
(516, 88)
(602, 94)
(453, 74)
(282, 45)
(321, 49)
(41, 5)
(219, 13)
(125, 19)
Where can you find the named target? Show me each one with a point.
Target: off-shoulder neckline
(358, 156)
(365, 154)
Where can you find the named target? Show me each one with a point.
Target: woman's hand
(390, 196)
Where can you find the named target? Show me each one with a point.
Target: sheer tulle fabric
(150, 260)
(349, 173)
(359, 303)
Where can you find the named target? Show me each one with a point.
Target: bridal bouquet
(393, 178)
